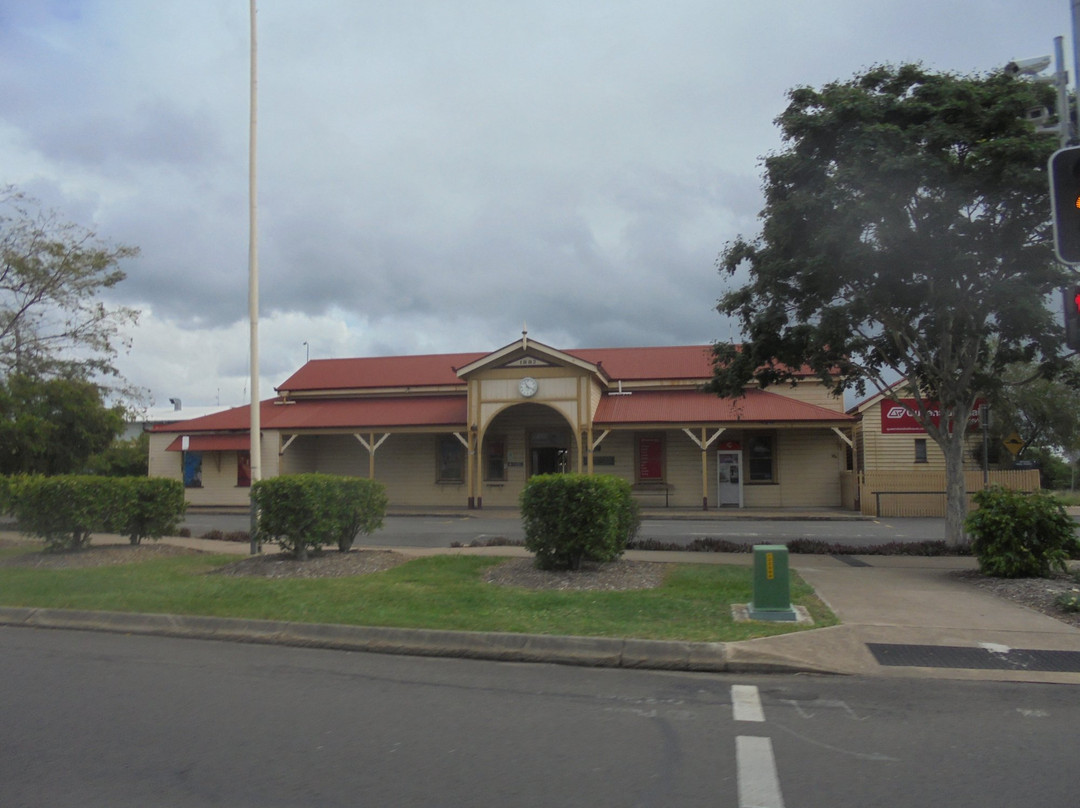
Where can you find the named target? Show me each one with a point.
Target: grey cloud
(447, 168)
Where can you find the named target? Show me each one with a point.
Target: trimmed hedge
(571, 518)
(65, 510)
(304, 512)
(1020, 535)
(155, 508)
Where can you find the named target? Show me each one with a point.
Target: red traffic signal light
(1064, 170)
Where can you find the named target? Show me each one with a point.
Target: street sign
(1014, 443)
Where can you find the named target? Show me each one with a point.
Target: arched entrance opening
(519, 442)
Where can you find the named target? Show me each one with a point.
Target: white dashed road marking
(759, 784)
(746, 703)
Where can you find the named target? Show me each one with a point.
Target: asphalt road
(111, 720)
(441, 531)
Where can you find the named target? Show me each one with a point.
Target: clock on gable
(528, 387)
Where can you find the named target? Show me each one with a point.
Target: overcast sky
(434, 173)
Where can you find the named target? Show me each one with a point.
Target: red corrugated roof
(665, 363)
(689, 407)
(379, 371)
(211, 443)
(373, 413)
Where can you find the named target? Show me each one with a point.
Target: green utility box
(772, 584)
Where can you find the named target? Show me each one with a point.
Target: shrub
(65, 510)
(304, 512)
(571, 518)
(154, 507)
(5, 495)
(1069, 601)
(1017, 535)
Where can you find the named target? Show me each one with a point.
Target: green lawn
(439, 592)
(1067, 498)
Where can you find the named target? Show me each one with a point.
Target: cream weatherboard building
(468, 430)
(902, 470)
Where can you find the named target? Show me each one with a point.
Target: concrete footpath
(901, 617)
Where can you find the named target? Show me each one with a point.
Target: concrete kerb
(582, 651)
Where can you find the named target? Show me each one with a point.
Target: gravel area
(1039, 594)
(614, 575)
(332, 564)
(100, 556)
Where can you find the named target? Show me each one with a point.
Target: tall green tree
(905, 235)
(52, 426)
(53, 321)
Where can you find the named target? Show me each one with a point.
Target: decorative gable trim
(529, 353)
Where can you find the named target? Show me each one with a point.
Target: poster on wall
(192, 469)
(899, 418)
(650, 459)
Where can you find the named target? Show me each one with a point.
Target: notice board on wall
(650, 459)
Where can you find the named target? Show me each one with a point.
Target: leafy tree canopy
(905, 235)
(52, 274)
(53, 426)
(122, 458)
(1045, 413)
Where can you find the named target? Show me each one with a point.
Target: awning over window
(212, 443)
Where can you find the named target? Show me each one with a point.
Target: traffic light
(1064, 170)
(1071, 295)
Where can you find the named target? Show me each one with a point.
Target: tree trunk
(955, 490)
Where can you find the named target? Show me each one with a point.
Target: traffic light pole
(1066, 129)
(1076, 53)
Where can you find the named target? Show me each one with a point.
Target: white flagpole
(253, 285)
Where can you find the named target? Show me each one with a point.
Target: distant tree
(906, 234)
(1054, 472)
(1045, 413)
(52, 426)
(122, 458)
(52, 273)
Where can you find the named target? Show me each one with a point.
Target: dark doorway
(549, 460)
(549, 452)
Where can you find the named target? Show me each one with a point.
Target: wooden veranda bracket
(843, 437)
(701, 443)
(373, 446)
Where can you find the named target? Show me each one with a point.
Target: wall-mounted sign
(899, 418)
(650, 459)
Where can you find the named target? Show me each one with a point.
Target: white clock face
(528, 387)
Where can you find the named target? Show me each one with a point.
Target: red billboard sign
(899, 418)
(650, 459)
